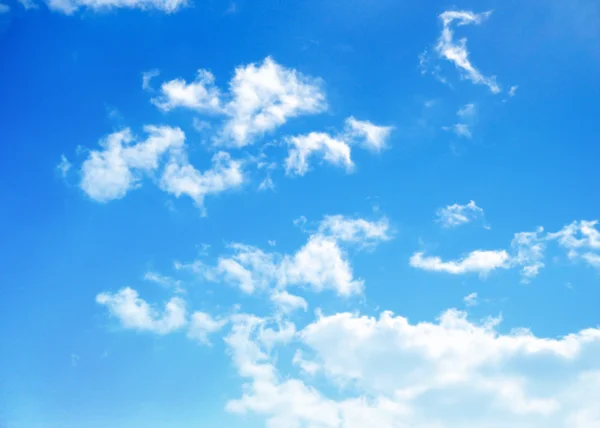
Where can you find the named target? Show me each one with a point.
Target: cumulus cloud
(456, 51)
(135, 313)
(110, 173)
(371, 136)
(332, 150)
(448, 373)
(261, 97)
(478, 261)
(202, 325)
(456, 214)
(71, 6)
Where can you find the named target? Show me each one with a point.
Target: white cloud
(455, 215)
(264, 96)
(460, 129)
(370, 136)
(181, 178)
(110, 173)
(577, 236)
(355, 229)
(266, 184)
(203, 325)
(286, 302)
(64, 166)
(477, 261)
(165, 281)
(147, 77)
(471, 299)
(513, 91)
(135, 313)
(397, 374)
(468, 111)
(456, 51)
(4, 8)
(28, 4)
(201, 94)
(71, 6)
(333, 150)
(530, 248)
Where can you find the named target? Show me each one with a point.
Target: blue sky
(322, 214)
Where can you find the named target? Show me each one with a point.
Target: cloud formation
(456, 214)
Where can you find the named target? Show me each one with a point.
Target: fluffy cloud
(320, 264)
(455, 215)
(110, 173)
(529, 247)
(203, 325)
(70, 6)
(371, 136)
(135, 313)
(333, 150)
(261, 98)
(477, 261)
(394, 373)
(456, 51)
(578, 236)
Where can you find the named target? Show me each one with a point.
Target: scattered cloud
(165, 281)
(266, 184)
(286, 302)
(332, 150)
(468, 111)
(460, 129)
(355, 229)
(4, 8)
(578, 236)
(64, 166)
(456, 51)
(147, 77)
(200, 95)
(28, 4)
(71, 6)
(471, 299)
(371, 136)
(513, 91)
(135, 313)
(478, 261)
(202, 325)
(456, 215)
(529, 247)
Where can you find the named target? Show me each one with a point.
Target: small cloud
(266, 184)
(64, 166)
(201, 125)
(460, 129)
(471, 299)
(513, 91)
(455, 215)
(300, 221)
(4, 8)
(272, 242)
(147, 77)
(468, 111)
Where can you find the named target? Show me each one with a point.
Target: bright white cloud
(578, 236)
(456, 214)
(456, 51)
(286, 302)
(369, 135)
(201, 94)
(202, 325)
(71, 6)
(64, 166)
(332, 150)
(135, 313)
(355, 229)
(264, 96)
(478, 261)
(529, 247)
(111, 172)
(398, 374)
(182, 178)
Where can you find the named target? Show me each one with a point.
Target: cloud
(201, 95)
(398, 374)
(320, 264)
(71, 6)
(471, 299)
(261, 98)
(28, 4)
(64, 166)
(182, 178)
(456, 51)
(135, 313)
(478, 261)
(460, 129)
(513, 91)
(165, 281)
(371, 136)
(577, 236)
(530, 248)
(286, 302)
(203, 325)
(147, 77)
(266, 184)
(332, 150)
(456, 215)
(468, 111)
(355, 229)
(4, 8)
(110, 173)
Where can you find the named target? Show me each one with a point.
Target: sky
(316, 214)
